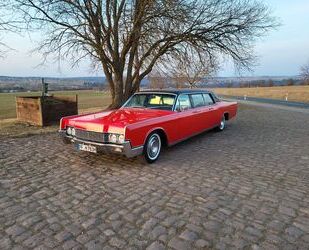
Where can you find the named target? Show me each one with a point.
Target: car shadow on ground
(115, 161)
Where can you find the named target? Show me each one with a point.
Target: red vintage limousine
(148, 121)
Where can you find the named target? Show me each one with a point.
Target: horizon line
(103, 76)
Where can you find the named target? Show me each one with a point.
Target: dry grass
(295, 93)
(13, 128)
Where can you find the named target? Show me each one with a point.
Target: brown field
(295, 93)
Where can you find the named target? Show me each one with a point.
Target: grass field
(91, 100)
(87, 99)
(295, 93)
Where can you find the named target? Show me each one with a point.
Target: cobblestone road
(247, 187)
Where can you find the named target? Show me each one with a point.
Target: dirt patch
(13, 128)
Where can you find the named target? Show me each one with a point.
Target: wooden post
(41, 121)
(76, 100)
(17, 109)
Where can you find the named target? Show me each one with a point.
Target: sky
(281, 53)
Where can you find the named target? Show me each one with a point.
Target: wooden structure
(45, 110)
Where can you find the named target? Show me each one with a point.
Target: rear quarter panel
(228, 107)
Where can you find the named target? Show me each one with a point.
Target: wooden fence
(42, 111)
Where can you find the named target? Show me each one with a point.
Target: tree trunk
(121, 90)
(118, 98)
(117, 93)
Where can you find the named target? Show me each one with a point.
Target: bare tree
(177, 81)
(270, 83)
(8, 24)
(130, 37)
(191, 69)
(305, 73)
(4, 26)
(156, 80)
(290, 82)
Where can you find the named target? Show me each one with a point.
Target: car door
(211, 114)
(198, 112)
(183, 121)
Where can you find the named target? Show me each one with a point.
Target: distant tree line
(305, 73)
(267, 83)
(161, 82)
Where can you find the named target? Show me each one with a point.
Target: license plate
(88, 148)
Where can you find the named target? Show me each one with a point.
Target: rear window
(197, 100)
(208, 99)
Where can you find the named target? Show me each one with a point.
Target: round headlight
(73, 131)
(69, 131)
(113, 138)
(121, 139)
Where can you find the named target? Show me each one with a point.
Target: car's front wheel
(152, 147)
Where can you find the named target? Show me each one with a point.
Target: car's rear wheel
(222, 124)
(152, 148)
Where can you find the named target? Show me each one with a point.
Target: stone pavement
(244, 188)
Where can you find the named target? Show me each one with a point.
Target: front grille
(90, 135)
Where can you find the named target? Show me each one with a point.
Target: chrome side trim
(134, 151)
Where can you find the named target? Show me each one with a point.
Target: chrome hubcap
(222, 123)
(154, 146)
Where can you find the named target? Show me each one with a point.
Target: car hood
(116, 120)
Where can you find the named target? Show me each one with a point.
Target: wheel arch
(226, 115)
(162, 134)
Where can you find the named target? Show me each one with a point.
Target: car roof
(175, 91)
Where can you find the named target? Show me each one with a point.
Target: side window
(197, 100)
(208, 99)
(183, 103)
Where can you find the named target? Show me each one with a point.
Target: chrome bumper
(124, 149)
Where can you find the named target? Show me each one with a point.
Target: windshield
(151, 100)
